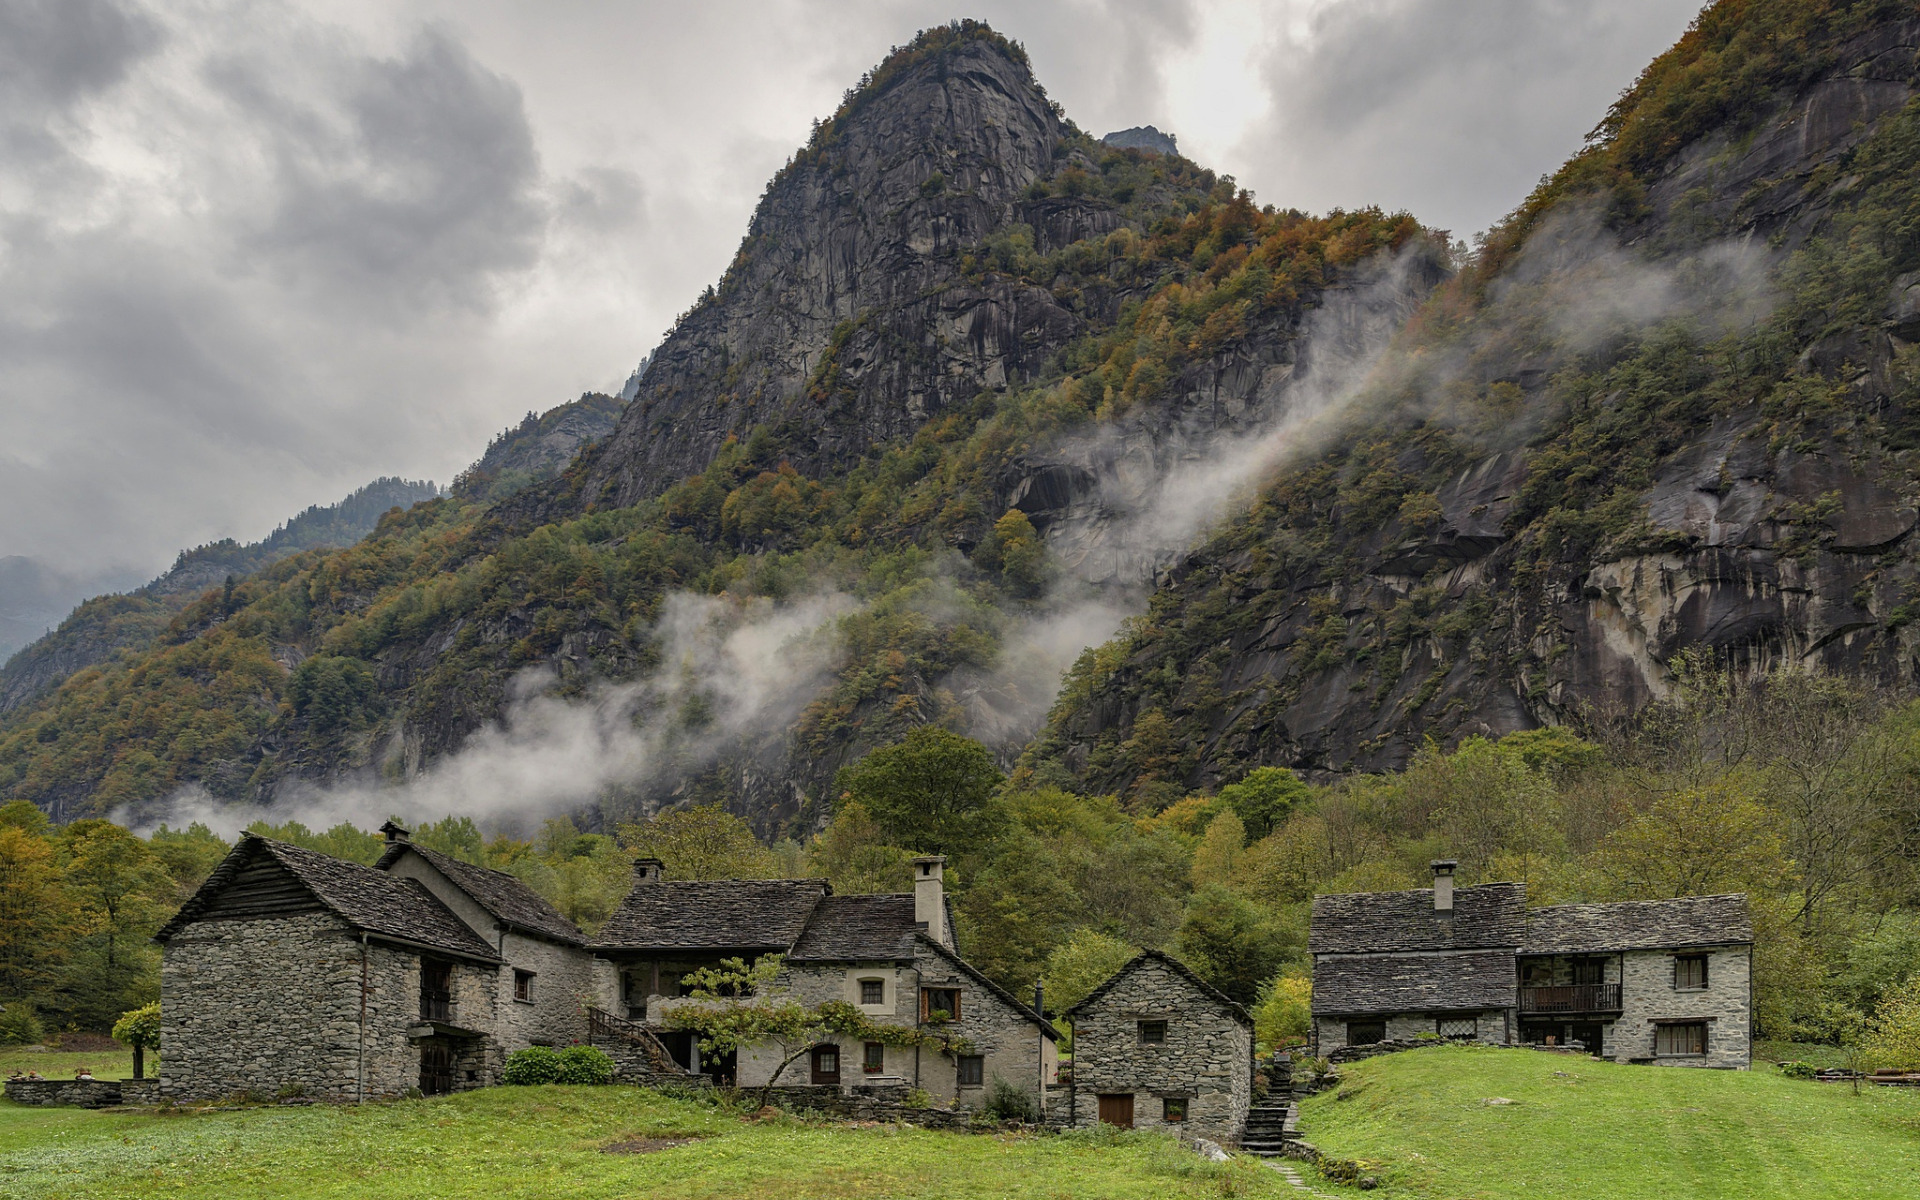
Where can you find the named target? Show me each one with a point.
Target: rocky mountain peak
(845, 314)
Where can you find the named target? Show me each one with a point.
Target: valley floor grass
(549, 1142)
(1579, 1127)
(62, 1064)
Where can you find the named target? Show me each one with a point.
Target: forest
(1801, 791)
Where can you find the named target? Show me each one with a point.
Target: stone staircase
(1271, 1124)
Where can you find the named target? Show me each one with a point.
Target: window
(1688, 1038)
(1153, 1032)
(1173, 1109)
(934, 1001)
(971, 1070)
(1457, 1027)
(1366, 1033)
(1690, 972)
(523, 986)
(873, 991)
(874, 1061)
(436, 990)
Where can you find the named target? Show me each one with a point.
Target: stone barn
(1156, 1046)
(293, 973)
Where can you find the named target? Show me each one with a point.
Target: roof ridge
(1186, 972)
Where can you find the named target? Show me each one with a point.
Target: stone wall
(1647, 996)
(562, 982)
(272, 1006)
(260, 1004)
(1207, 1057)
(1330, 1033)
(76, 1093)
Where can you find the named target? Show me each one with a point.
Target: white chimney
(1443, 884)
(930, 897)
(648, 870)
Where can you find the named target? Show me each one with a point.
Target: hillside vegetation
(1426, 1122)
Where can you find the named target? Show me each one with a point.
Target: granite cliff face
(846, 318)
(1760, 485)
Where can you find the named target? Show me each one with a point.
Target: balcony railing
(1575, 998)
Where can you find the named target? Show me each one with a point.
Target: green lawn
(1591, 1130)
(61, 1064)
(548, 1142)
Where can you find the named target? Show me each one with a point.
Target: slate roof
(1413, 983)
(368, 900)
(713, 914)
(1638, 925)
(1003, 995)
(511, 902)
(858, 929)
(1179, 968)
(1489, 916)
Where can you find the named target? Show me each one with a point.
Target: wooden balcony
(1575, 998)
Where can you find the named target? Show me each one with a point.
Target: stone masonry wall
(261, 1004)
(562, 982)
(1207, 1057)
(1647, 996)
(1491, 1028)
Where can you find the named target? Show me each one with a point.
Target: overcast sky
(253, 255)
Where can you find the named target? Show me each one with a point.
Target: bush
(535, 1064)
(585, 1064)
(20, 1025)
(1797, 1070)
(1009, 1103)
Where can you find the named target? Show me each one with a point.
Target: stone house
(1663, 981)
(1157, 1046)
(295, 973)
(892, 956)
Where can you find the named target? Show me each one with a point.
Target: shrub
(140, 1027)
(535, 1064)
(1009, 1103)
(585, 1064)
(1797, 1070)
(20, 1025)
(919, 1098)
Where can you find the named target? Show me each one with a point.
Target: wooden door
(826, 1064)
(1117, 1110)
(436, 1068)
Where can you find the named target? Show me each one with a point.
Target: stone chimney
(930, 897)
(1443, 883)
(649, 870)
(395, 834)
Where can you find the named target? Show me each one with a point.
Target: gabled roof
(1639, 925)
(1490, 916)
(713, 914)
(1414, 983)
(369, 901)
(858, 929)
(1177, 967)
(511, 902)
(966, 968)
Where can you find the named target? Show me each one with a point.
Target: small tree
(738, 1007)
(140, 1029)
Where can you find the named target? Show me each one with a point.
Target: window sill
(1689, 991)
(528, 1003)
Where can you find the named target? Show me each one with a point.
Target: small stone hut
(1156, 1046)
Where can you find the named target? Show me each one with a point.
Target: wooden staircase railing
(603, 1025)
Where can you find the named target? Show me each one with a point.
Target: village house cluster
(293, 973)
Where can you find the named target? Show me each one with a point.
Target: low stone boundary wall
(76, 1093)
(888, 1103)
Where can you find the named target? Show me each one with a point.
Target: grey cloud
(421, 186)
(1451, 109)
(54, 52)
(602, 200)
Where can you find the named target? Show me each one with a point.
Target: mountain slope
(863, 494)
(1675, 404)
